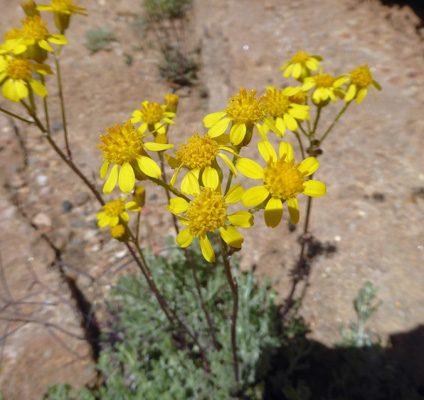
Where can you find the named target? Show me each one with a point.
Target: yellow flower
(120, 233)
(326, 87)
(139, 195)
(62, 9)
(301, 65)
(152, 114)
(244, 111)
(124, 147)
(171, 102)
(285, 112)
(30, 8)
(282, 180)
(33, 38)
(15, 76)
(360, 80)
(114, 212)
(207, 213)
(199, 156)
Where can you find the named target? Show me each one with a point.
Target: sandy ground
(372, 164)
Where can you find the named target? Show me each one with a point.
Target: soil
(369, 226)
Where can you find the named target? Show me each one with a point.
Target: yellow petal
(114, 221)
(177, 205)
(234, 194)
(290, 122)
(124, 216)
(254, 196)
(44, 45)
(157, 146)
(104, 222)
(104, 169)
(210, 178)
(314, 188)
(361, 95)
(126, 178)
(184, 221)
(111, 180)
(293, 210)
(297, 70)
(14, 90)
(273, 212)
(38, 88)
(237, 133)
(229, 163)
(207, 249)
(172, 161)
(101, 215)
(212, 119)
(190, 183)
(350, 94)
(309, 164)
(184, 238)
(242, 219)
(133, 206)
(286, 148)
(231, 236)
(250, 168)
(267, 151)
(281, 126)
(219, 128)
(149, 167)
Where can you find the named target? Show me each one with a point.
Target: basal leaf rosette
(114, 212)
(123, 147)
(358, 81)
(207, 212)
(32, 40)
(283, 180)
(301, 65)
(326, 87)
(199, 156)
(244, 111)
(285, 112)
(16, 77)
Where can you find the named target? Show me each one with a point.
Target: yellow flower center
(245, 108)
(361, 76)
(275, 102)
(200, 151)
(206, 212)
(114, 208)
(19, 68)
(35, 28)
(300, 57)
(121, 144)
(283, 179)
(298, 98)
(117, 231)
(324, 80)
(151, 112)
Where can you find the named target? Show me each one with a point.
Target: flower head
(171, 102)
(199, 156)
(62, 9)
(30, 8)
(123, 146)
(283, 110)
(114, 212)
(327, 87)
(16, 77)
(207, 213)
(359, 80)
(152, 115)
(120, 233)
(283, 180)
(301, 65)
(31, 41)
(244, 111)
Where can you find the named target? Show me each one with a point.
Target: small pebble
(41, 179)
(81, 198)
(42, 219)
(77, 223)
(67, 206)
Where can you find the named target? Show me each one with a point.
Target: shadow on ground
(309, 370)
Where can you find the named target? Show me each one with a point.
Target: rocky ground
(371, 219)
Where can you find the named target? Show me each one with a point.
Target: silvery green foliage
(142, 357)
(357, 334)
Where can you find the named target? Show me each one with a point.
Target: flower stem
(333, 123)
(16, 116)
(234, 290)
(300, 144)
(62, 103)
(168, 187)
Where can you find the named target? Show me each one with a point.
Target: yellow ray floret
(283, 180)
(301, 65)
